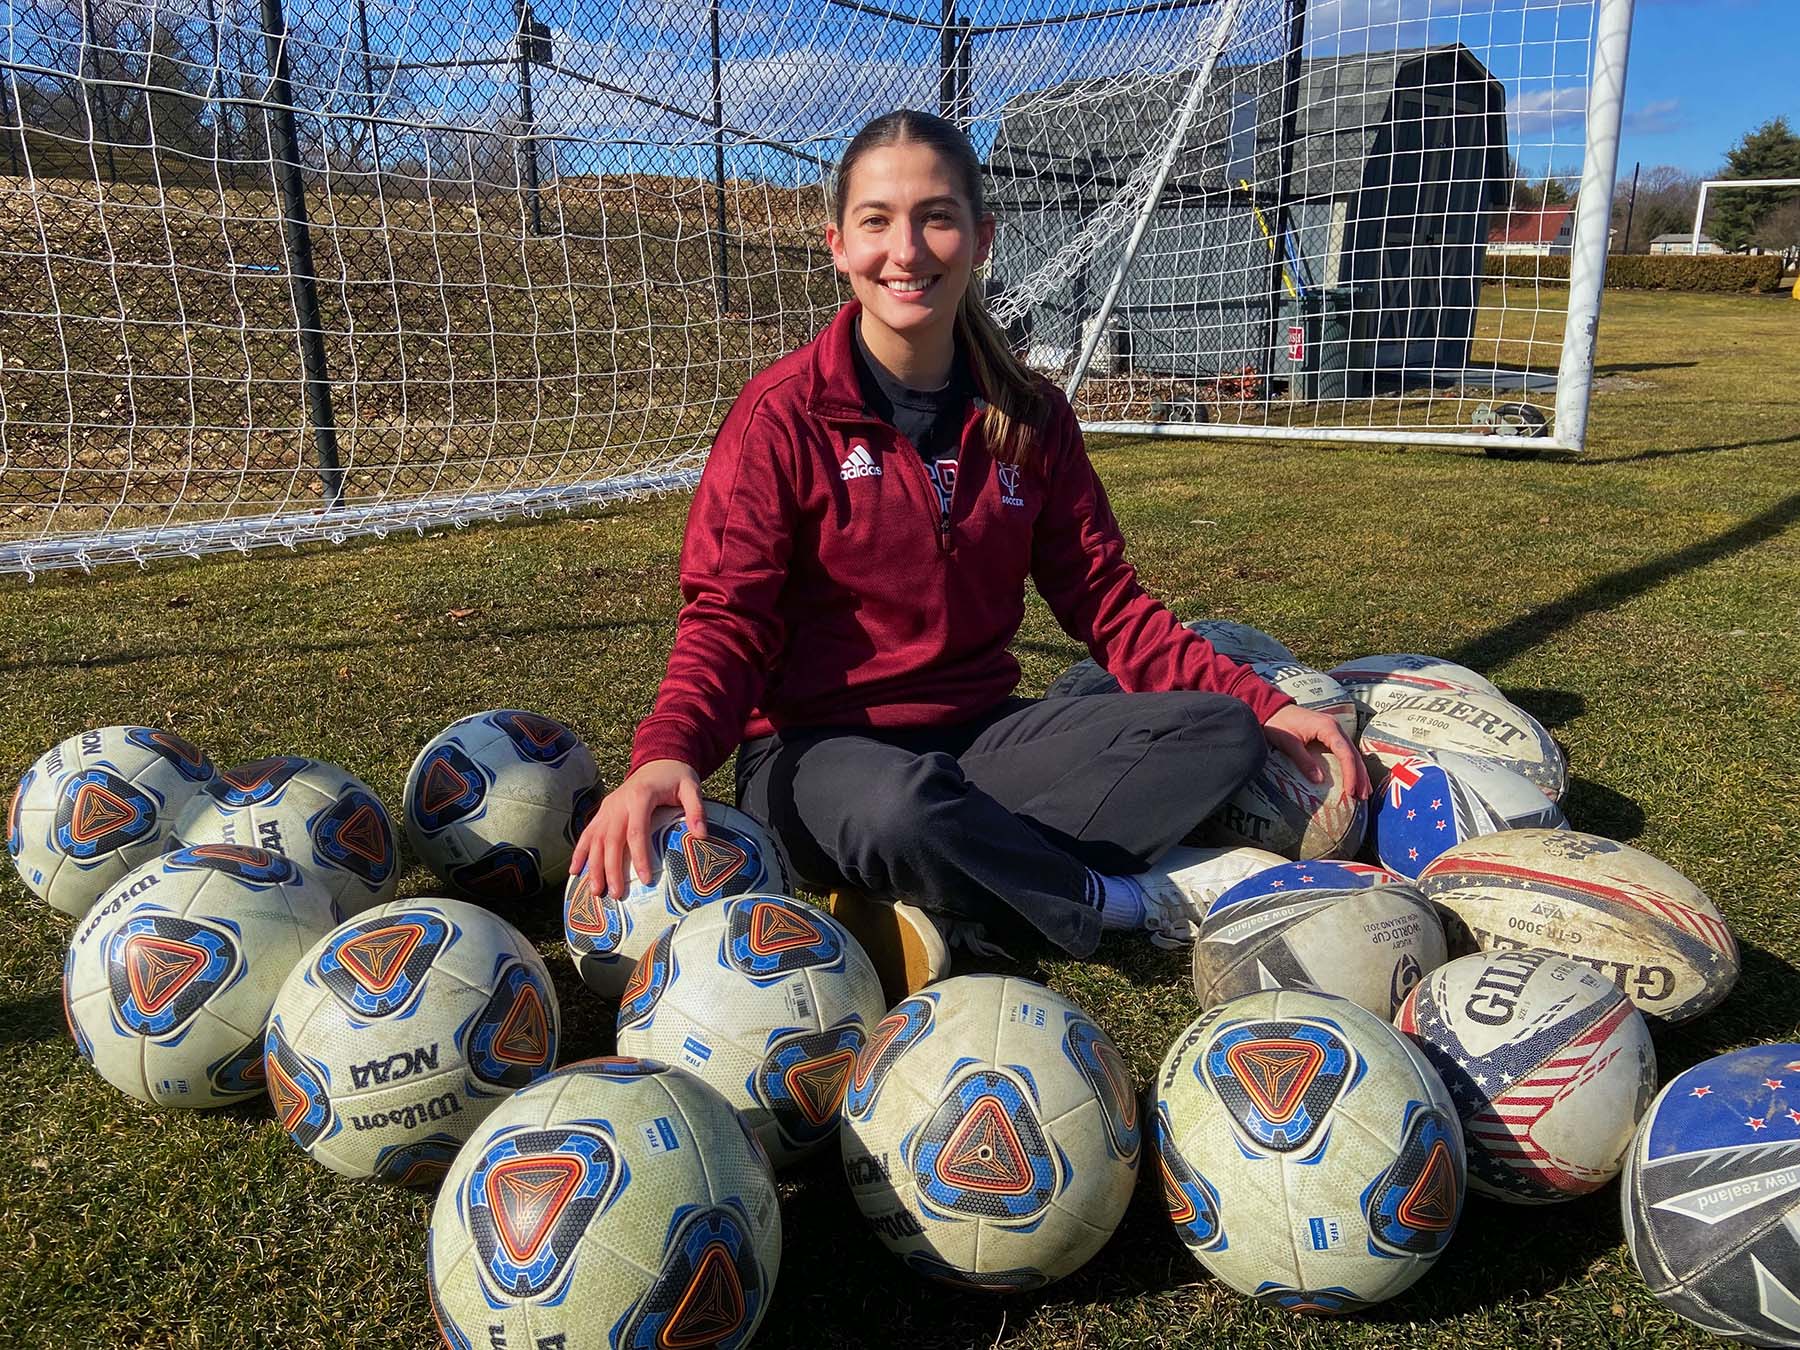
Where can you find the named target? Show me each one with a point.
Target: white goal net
(279, 272)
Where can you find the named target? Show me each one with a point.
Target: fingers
(637, 838)
(1356, 773)
(584, 847)
(693, 805)
(613, 851)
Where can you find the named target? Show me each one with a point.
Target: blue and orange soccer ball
(607, 937)
(991, 1134)
(767, 999)
(617, 1202)
(495, 803)
(170, 975)
(324, 818)
(1311, 1157)
(96, 806)
(400, 1030)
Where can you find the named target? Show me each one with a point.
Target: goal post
(289, 270)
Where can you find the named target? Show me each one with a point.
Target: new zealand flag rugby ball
(1711, 1196)
(1429, 805)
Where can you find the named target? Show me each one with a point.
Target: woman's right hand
(619, 833)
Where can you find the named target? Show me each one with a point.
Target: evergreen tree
(1770, 151)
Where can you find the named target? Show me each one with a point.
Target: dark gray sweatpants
(997, 818)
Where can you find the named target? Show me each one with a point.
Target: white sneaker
(1183, 883)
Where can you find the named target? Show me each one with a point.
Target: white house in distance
(1683, 242)
(1547, 231)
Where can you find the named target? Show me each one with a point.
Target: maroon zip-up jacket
(822, 589)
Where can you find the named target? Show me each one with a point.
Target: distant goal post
(289, 270)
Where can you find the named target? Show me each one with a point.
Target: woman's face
(910, 241)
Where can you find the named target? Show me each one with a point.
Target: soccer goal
(283, 270)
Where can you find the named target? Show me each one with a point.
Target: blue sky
(1703, 72)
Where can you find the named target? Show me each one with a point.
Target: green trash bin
(1327, 344)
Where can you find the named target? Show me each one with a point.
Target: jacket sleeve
(734, 561)
(1078, 562)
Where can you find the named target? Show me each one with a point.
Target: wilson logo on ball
(97, 812)
(376, 967)
(1279, 1079)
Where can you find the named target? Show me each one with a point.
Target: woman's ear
(834, 240)
(984, 238)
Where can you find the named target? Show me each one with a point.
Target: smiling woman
(853, 572)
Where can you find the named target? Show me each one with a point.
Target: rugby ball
(1282, 810)
(1313, 690)
(1481, 725)
(1333, 927)
(1236, 641)
(1711, 1199)
(1429, 805)
(1634, 919)
(1549, 1065)
(1375, 681)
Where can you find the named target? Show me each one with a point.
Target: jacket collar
(835, 393)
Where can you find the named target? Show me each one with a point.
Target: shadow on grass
(1760, 1009)
(1613, 589)
(1597, 809)
(36, 1017)
(225, 652)
(1637, 367)
(1553, 707)
(1686, 450)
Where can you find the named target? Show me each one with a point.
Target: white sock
(1120, 900)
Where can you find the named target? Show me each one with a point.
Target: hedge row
(1653, 272)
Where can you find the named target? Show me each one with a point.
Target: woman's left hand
(1293, 732)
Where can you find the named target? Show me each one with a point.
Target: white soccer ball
(616, 1201)
(1482, 726)
(1549, 1065)
(991, 1133)
(322, 817)
(96, 806)
(767, 999)
(1311, 1158)
(739, 856)
(495, 803)
(1373, 682)
(1333, 927)
(400, 1030)
(170, 976)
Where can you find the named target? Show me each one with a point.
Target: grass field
(1643, 601)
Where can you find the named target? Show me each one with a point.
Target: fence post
(527, 38)
(297, 235)
(718, 140)
(90, 60)
(6, 120)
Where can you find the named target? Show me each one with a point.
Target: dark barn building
(1377, 197)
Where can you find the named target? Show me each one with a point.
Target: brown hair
(1016, 404)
